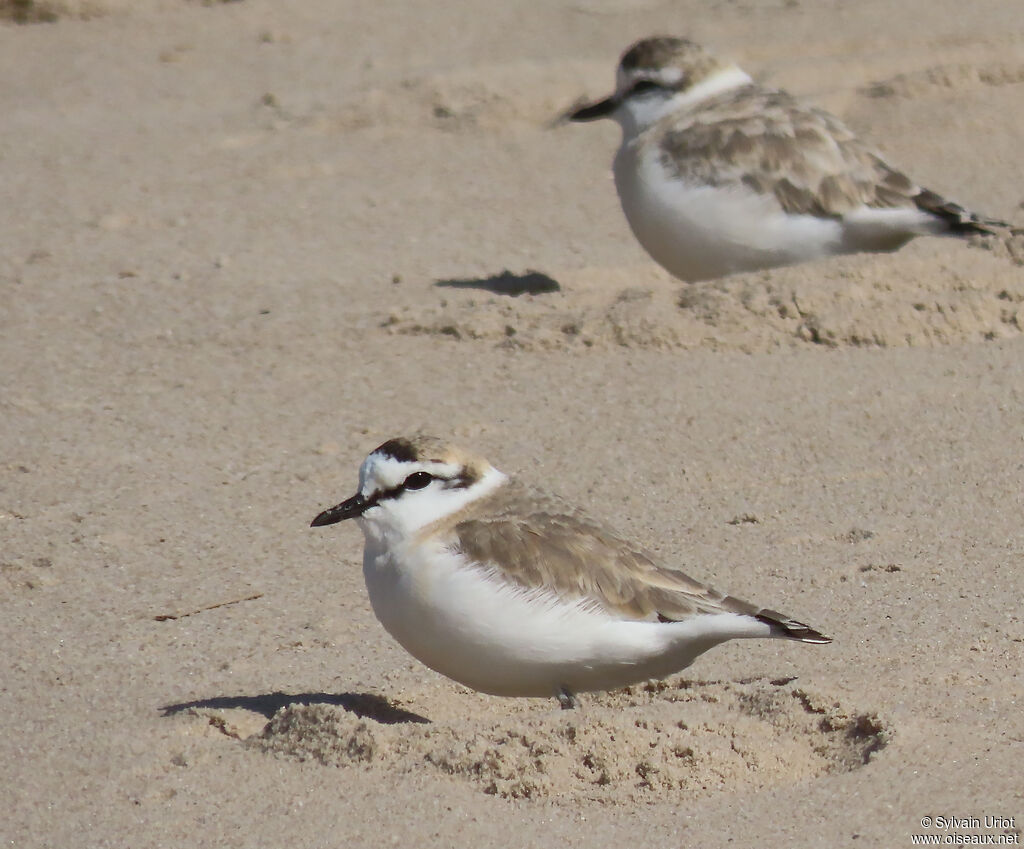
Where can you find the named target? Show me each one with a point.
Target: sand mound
(45, 11)
(49, 11)
(881, 301)
(694, 737)
(948, 77)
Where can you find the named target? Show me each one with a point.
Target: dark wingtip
(806, 634)
(792, 629)
(960, 220)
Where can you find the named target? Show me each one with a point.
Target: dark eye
(417, 480)
(641, 86)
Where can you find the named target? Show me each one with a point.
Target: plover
(516, 593)
(717, 174)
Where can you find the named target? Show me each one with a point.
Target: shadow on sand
(507, 283)
(362, 705)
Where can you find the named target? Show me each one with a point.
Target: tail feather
(783, 626)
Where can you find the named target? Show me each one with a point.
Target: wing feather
(542, 543)
(808, 159)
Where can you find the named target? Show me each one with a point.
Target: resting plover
(717, 174)
(515, 593)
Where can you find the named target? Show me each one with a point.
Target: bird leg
(566, 700)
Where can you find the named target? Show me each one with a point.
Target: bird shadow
(363, 705)
(507, 283)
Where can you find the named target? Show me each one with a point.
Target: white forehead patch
(381, 472)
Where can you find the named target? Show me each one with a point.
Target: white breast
(699, 232)
(491, 636)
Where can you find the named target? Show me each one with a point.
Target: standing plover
(516, 593)
(717, 174)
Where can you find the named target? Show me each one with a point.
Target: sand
(246, 242)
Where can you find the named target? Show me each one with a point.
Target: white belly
(499, 639)
(702, 232)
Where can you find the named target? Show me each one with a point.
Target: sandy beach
(246, 242)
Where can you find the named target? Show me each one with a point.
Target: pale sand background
(222, 229)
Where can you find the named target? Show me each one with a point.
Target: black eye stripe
(458, 482)
(461, 481)
(386, 494)
(396, 491)
(644, 85)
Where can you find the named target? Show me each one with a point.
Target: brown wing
(559, 548)
(767, 140)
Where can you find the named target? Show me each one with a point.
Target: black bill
(593, 111)
(349, 509)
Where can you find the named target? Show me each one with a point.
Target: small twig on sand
(163, 617)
